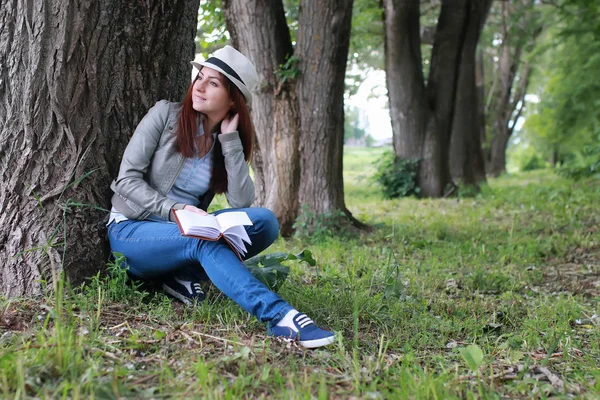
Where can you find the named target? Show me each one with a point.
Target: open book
(229, 225)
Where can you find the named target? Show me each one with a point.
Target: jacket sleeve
(240, 188)
(137, 158)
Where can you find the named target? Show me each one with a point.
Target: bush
(397, 177)
(582, 165)
(316, 227)
(533, 162)
(526, 158)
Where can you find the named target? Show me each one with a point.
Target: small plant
(396, 176)
(489, 281)
(268, 268)
(315, 227)
(473, 356)
(289, 70)
(468, 191)
(115, 285)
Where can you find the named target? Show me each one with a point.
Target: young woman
(178, 157)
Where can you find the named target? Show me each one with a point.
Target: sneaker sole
(177, 295)
(313, 344)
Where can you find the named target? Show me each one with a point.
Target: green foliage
(268, 268)
(526, 157)
(397, 177)
(466, 191)
(289, 70)
(565, 124)
(212, 30)
(292, 11)
(583, 164)
(535, 161)
(366, 38)
(318, 227)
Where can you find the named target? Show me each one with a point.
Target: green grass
(514, 270)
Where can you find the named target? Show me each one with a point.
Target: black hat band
(215, 61)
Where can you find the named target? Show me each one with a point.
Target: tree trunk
(409, 110)
(507, 113)
(323, 42)
(466, 154)
(422, 115)
(509, 101)
(299, 123)
(479, 162)
(507, 68)
(497, 164)
(258, 29)
(71, 95)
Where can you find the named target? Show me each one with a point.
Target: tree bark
(258, 29)
(75, 78)
(422, 115)
(409, 110)
(299, 123)
(479, 163)
(323, 42)
(466, 154)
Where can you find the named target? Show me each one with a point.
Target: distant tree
(422, 111)
(518, 25)
(353, 128)
(75, 79)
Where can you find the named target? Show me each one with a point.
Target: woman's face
(210, 95)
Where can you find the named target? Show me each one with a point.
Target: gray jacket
(151, 164)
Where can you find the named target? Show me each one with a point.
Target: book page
(196, 224)
(238, 232)
(229, 219)
(237, 244)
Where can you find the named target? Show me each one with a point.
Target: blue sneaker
(305, 331)
(188, 292)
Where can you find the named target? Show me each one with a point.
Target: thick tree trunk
(466, 154)
(323, 42)
(422, 116)
(258, 29)
(299, 123)
(409, 110)
(75, 78)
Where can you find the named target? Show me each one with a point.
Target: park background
(461, 261)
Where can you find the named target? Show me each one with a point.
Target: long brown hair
(187, 128)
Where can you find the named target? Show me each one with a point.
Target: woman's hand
(229, 125)
(195, 210)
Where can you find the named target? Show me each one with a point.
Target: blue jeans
(154, 249)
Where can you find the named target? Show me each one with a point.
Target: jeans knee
(268, 223)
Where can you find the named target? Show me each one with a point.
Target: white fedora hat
(235, 66)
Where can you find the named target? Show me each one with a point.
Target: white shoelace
(303, 321)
